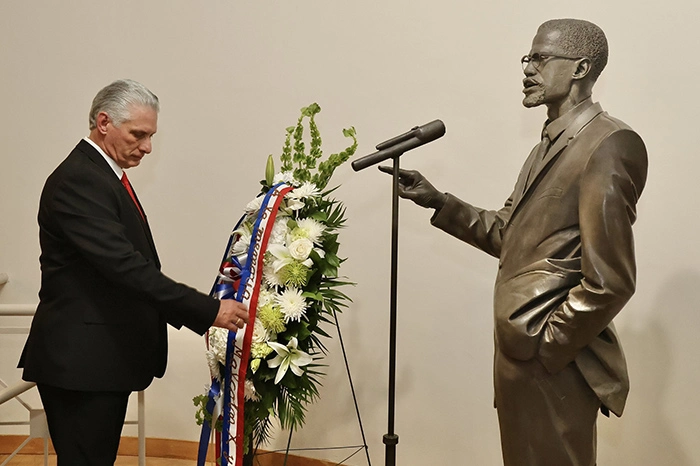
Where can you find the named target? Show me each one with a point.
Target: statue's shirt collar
(556, 127)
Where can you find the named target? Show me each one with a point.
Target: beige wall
(232, 75)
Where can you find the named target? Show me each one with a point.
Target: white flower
(265, 296)
(279, 230)
(260, 333)
(295, 204)
(307, 189)
(307, 228)
(285, 177)
(250, 393)
(292, 304)
(281, 254)
(301, 248)
(270, 277)
(218, 342)
(213, 363)
(254, 206)
(288, 357)
(240, 247)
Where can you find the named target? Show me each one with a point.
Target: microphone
(396, 146)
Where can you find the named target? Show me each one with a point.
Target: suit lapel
(557, 148)
(521, 183)
(99, 161)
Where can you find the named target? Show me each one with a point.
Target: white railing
(37, 419)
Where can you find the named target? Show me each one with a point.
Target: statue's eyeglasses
(540, 59)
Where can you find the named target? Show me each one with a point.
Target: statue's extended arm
(479, 227)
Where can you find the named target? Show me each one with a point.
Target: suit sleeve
(86, 210)
(481, 228)
(610, 188)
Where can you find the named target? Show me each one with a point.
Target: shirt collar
(116, 168)
(556, 127)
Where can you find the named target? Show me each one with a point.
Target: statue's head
(567, 55)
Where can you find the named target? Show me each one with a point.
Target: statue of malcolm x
(566, 255)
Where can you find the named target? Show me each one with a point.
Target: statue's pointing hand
(414, 186)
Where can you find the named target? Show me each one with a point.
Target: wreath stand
(249, 460)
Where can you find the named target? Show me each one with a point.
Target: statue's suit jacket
(104, 304)
(566, 251)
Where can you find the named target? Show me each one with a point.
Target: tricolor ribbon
(241, 282)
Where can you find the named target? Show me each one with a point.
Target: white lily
(295, 204)
(282, 256)
(288, 357)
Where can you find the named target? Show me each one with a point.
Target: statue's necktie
(130, 190)
(538, 163)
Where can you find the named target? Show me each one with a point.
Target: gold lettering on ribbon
(250, 283)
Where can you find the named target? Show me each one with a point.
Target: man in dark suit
(566, 250)
(100, 331)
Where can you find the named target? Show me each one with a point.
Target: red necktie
(129, 189)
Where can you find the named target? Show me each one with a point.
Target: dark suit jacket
(104, 304)
(566, 251)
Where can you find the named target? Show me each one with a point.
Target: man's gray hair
(580, 38)
(116, 98)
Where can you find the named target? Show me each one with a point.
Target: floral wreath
(299, 290)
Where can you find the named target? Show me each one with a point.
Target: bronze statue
(566, 255)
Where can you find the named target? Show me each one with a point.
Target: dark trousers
(545, 419)
(85, 427)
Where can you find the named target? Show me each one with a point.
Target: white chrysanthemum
(260, 333)
(213, 363)
(307, 189)
(292, 304)
(254, 205)
(250, 393)
(307, 228)
(285, 177)
(218, 341)
(270, 277)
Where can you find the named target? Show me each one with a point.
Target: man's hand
(232, 315)
(414, 186)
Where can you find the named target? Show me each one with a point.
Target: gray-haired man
(99, 332)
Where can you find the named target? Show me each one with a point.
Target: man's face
(131, 140)
(547, 81)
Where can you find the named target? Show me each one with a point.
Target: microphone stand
(390, 438)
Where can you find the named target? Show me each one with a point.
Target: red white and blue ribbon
(241, 282)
